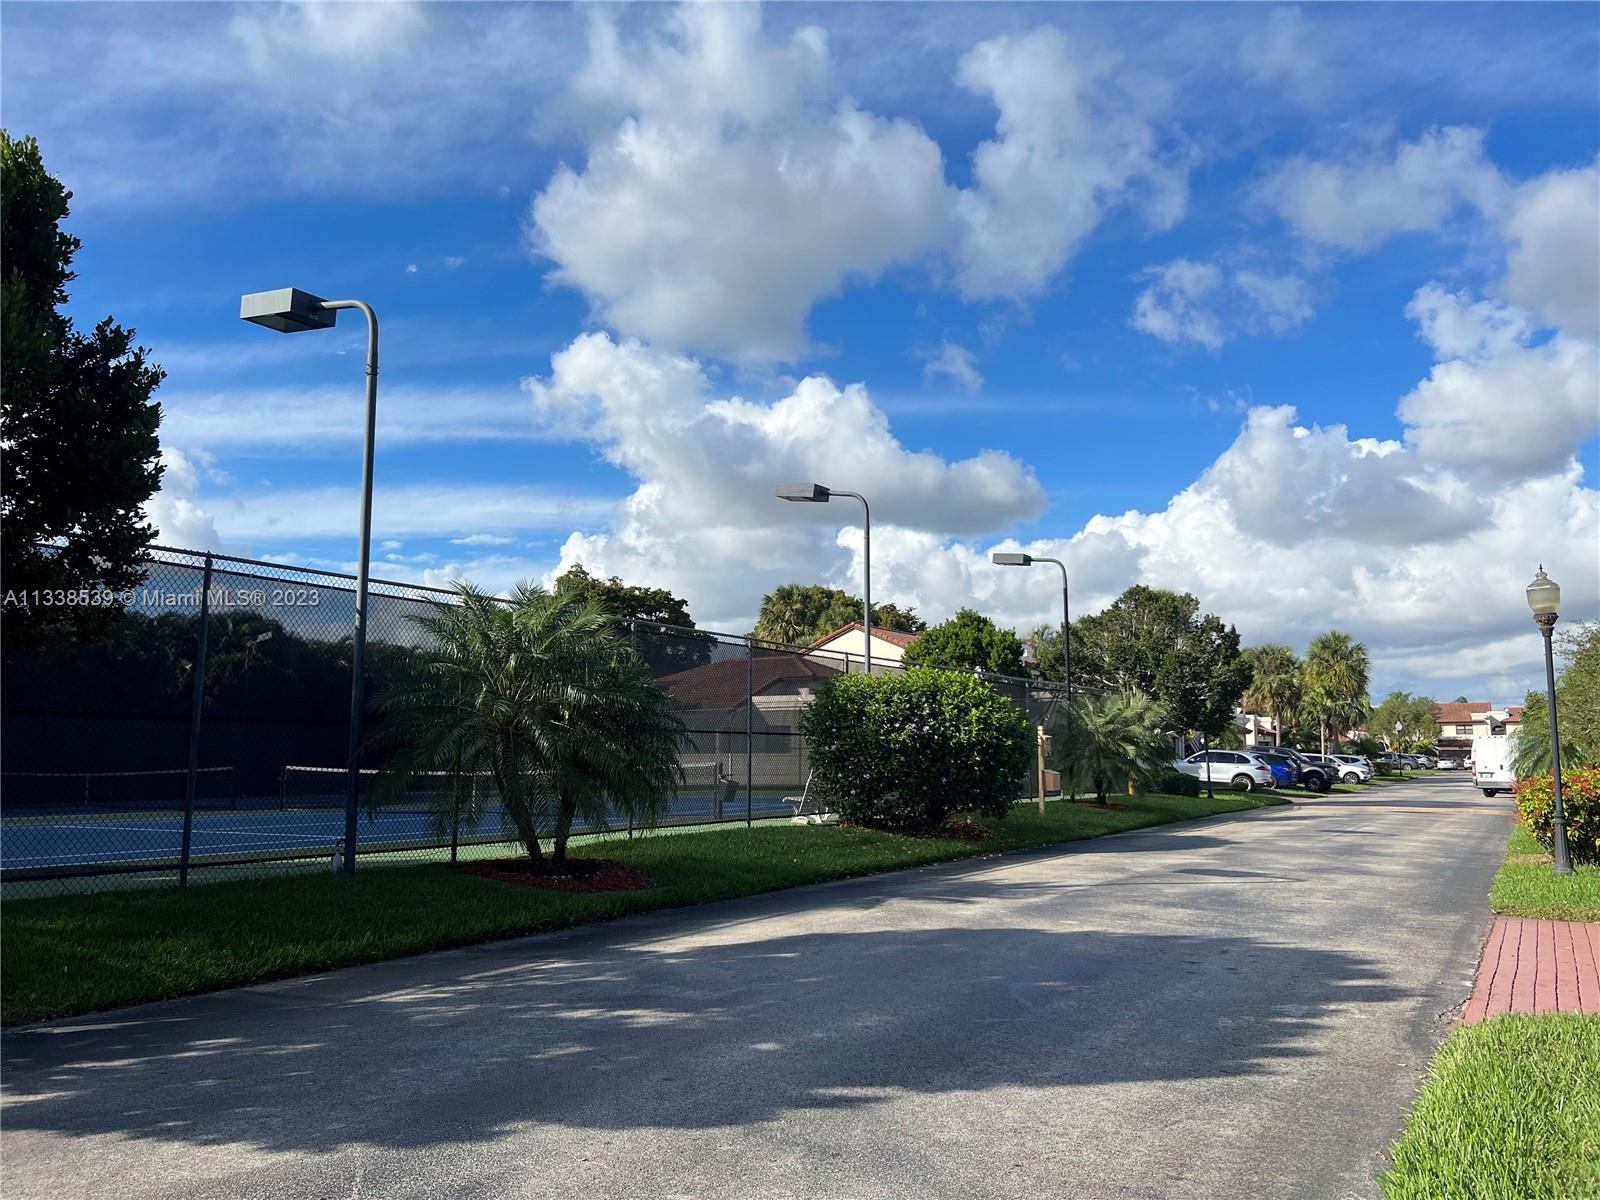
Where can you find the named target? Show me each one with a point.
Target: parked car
(1231, 768)
(1284, 772)
(1312, 776)
(1357, 765)
(1347, 768)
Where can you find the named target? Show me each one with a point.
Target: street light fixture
(815, 493)
(1011, 558)
(289, 310)
(1544, 598)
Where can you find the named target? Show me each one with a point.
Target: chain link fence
(247, 663)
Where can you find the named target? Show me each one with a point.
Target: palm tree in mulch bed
(1110, 741)
(542, 697)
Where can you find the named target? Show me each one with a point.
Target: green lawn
(1525, 886)
(1510, 1110)
(73, 954)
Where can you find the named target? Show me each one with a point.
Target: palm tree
(1530, 745)
(788, 615)
(541, 696)
(1274, 687)
(1336, 679)
(1109, 740)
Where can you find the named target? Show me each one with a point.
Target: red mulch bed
(574, 875)
(1097, 804)
(963, 831)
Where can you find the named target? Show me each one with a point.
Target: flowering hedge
(1580, 800)
(905, 751)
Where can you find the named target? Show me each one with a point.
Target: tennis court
(292, 829)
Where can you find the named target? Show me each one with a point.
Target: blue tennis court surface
(77, 839)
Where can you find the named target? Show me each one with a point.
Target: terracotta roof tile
(722, 684)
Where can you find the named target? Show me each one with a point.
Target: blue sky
(1294, 308)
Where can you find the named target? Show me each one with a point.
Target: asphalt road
(1235, 1007)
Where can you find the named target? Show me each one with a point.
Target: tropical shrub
(1580, 802)
(1103, 743)
(541, 696)
(905, 751)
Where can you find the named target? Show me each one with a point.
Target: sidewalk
(1536, 966)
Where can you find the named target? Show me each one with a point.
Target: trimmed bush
(1580, 801)
(906, 751)
(1176, 783)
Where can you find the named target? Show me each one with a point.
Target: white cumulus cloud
(727, 187)
(175, 510)
(1358, 202)
(1200, 302)
(1553, 262)
(703, 519)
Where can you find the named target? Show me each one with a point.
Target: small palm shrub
(1530, 752)
(1580, 802)
(906, 751)
(543, 697)
(1102, 743)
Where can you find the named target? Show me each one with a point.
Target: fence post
(749, 730)
(194, 723)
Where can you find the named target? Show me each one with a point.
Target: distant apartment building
(1258, 730)
(1461, 721)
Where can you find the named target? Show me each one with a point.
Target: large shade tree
(1405, 722)
(1123, 645)
(1337, 675)
(1202, 678)
(657, 621)
(968, 640)
(543, 697)
(77, 422)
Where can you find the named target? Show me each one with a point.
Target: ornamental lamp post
(1544, 598)
(815, 493)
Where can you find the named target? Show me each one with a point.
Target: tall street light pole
(289, 310)
(1006, 558)
(1544, 598)
(1011, 558)
(815, 493)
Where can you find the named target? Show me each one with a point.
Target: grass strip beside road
(1510, 1110)
(75, 954)
(1526, 887)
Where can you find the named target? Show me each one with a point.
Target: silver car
(1237, 769)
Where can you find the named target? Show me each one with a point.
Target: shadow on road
(677, 1034)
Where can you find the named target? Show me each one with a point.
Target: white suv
(1231, 768)
(1353, 768)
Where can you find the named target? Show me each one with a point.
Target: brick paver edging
(1536, 966)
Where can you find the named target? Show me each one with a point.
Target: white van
(1491, 764)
